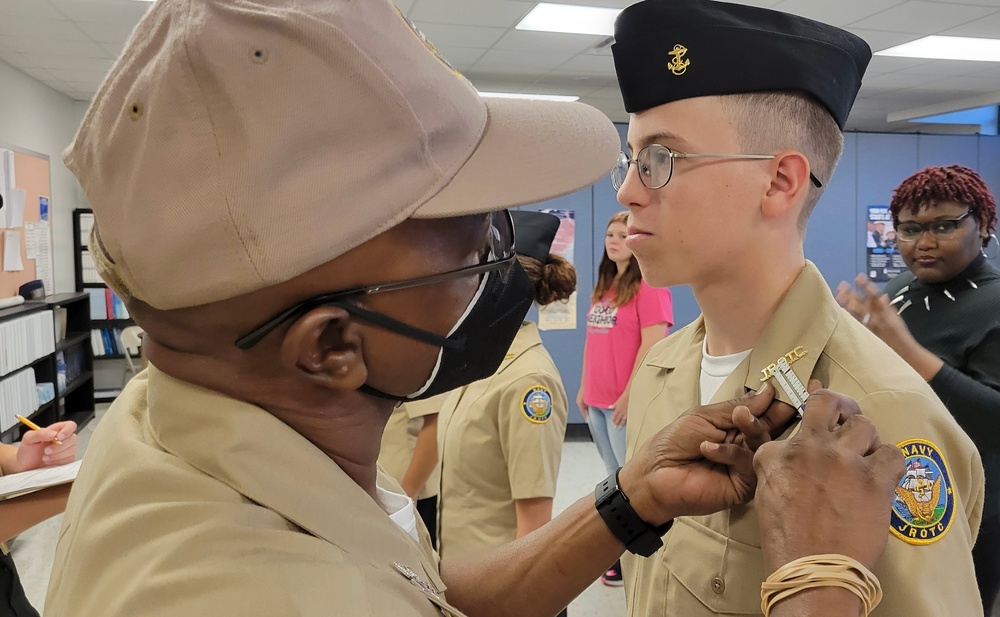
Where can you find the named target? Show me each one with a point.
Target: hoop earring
(996, 243)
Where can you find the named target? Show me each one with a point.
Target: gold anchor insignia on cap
(417, 582)
(679, 65)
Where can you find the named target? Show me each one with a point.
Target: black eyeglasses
(500, 257)
(656, 165)
(941, 229)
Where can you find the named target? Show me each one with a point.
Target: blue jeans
(609, 439)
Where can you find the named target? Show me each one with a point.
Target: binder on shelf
(26, 339)
(98, 304)
(18, 396)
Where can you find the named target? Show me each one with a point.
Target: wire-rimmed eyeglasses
(655, 164)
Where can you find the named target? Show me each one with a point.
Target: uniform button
(718, 585)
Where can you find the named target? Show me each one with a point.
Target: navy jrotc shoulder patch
(537, 404)
(925, 501)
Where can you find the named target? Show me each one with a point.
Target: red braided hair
(952, 183)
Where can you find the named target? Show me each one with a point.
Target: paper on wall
(4, 204)
(15, 213)
(43, 261)
(12, 251)
(30, 241)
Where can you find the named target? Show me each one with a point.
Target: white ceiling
(70, 44)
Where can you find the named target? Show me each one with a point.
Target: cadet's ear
(325, 345)
(789, 184)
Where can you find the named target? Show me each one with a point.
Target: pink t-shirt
(614, 335)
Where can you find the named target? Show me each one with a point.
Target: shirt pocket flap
(722, 574)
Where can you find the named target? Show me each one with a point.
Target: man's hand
(37, 448)
(829, 488)
(701, 463)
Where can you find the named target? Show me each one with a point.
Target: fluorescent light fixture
(571, 19)
(947, 48)
(525, 95)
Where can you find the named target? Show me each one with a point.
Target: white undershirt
(715, 370)
(400, 509)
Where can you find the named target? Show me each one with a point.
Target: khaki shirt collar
(261, 457)
(806, 319)
(527, 337)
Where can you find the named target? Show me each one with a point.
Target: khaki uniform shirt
(400, 438)
(712, 565)
(193, 503)
(499, 440)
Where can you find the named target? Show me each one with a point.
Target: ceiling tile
(68, 62)
(879, 39)
(836, 12)
(548, 42)
(921, 17)
(29, 45)
(404, 6)
(444, 35)
(461, 58)
(611, 4)
(38, 74)
(525, 63)
(116, 33)
(895, 80)
(102, 11)
(945, 68)
(891, 64)
(591, 64)
(471, 12)
(28, 8)
(987, 27)
(77, 75)
(993, 3)
(53, 29)
(113, 50)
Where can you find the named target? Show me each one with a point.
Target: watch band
(638, 536)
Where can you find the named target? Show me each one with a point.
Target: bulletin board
(34, 233)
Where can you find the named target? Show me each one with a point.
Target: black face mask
(477, 344)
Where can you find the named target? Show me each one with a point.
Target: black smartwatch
(638, 536)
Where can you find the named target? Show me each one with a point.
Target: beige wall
(35, 117)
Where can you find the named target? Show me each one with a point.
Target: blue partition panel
(831, 236)
(948, 150)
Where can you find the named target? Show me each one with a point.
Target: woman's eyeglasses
(941, 229)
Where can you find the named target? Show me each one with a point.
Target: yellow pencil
(34, 427)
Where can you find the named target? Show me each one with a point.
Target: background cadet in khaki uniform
(757, 161)
(409, 455)
(501, 438)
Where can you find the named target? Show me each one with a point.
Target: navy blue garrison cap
(534, 233)
(668, 50)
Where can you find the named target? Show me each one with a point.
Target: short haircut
(772, 121)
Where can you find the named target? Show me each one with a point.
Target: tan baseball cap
(237, 144)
